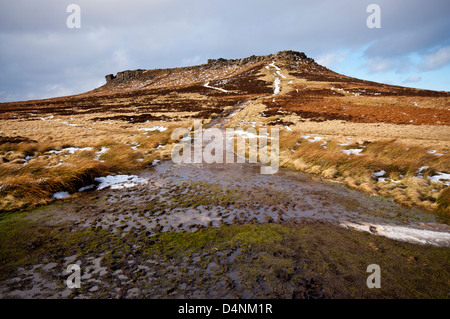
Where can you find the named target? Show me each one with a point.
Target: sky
(41, 57)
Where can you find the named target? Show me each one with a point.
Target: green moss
(326, 260)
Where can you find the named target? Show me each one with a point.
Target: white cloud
(379, 64)
(37, 49)
(331, 59)
(412, 79)
(437, 59)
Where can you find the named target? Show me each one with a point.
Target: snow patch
(215, 88)
(279, 73)
(312, 140)
(402, 233)
(379, 174)
(85, 188)
(277, 83)
(420, 170)
(274, 66)
(119, 181)
(60, 195)
(154, 128)
(433, 152)
(103, 150)
(440, 178)
(70, 150)
(387, 180)
(354, 151)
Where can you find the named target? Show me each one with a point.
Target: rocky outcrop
(124, 76)
(109, 78)
(129, 75)
(287, 55)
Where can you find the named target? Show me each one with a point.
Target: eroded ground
(193, 232)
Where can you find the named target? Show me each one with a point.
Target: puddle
(174, 197)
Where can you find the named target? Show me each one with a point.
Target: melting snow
(85, 188)
(277, 82)
(103, 150)
(441, 176)
(135, 146)
(119, 181)
(60, 195)
(420, 170)
(273, 65)
(215, 88)
(27, 158)
(47, 118)
(279, 73)
(71, 150)
(154, 128)
(402, 233)
(387, 180)
(354, 151)
(379, 174)
(434, 153)
(312, 140)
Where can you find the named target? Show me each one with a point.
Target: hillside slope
(340, 127)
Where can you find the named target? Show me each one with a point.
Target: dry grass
(443, 203)
(27, 182)
(400, 162)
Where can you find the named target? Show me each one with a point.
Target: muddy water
(191, 196)
(281, 196)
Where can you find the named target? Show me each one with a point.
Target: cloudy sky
(41, 57)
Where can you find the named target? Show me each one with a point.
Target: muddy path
(193, 196)
(222, 231)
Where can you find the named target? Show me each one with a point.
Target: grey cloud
(41, 57)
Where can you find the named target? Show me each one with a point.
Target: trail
(248, 195)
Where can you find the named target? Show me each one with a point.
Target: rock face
(123, 76)
(109, 77)
(288, 55)
(129, 75)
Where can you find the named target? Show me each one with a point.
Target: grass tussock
(401, 164)
(30, 173)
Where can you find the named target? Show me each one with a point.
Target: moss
(272, 259)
